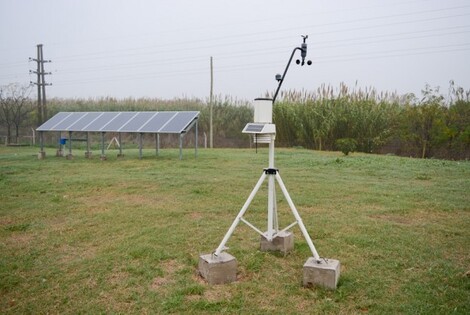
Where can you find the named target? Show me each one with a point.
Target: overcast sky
(145, 48)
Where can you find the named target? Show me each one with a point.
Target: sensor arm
(285, 71)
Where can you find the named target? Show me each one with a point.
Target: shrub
(346, 145)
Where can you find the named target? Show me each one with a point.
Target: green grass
(124, 235)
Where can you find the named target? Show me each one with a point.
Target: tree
(15, 106)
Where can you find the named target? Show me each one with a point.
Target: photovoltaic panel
(100, 122)
(254, 127)
(57, 118)
(137, 122)
(157, 122)
(84, 121)
(68, 122)
(179, 123)
(120, 120)
(145, 122)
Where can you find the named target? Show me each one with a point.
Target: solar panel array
(142, 122)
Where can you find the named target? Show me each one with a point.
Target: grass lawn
(124, 235)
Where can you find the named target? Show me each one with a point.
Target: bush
(346, 145)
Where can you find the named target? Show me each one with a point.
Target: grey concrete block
(41, 155)
(69, 156)
(283, 242)
(324, 273)
(218, 269)
(88, 154)
(103, 158)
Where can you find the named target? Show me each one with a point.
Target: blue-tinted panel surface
(120, 120)
(179, 122)
(254, 128)
(101, 121)
(149, 122)
(67, 122)
(57, 118)
(157, 122)
(135, 123)
(84, 121)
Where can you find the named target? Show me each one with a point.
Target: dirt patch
(5, 221)
(69, 254)
(159, 282)
(393, 218)
(195, 215)
(169, 268)
(215, 294)
(19, 240)
(117, 278)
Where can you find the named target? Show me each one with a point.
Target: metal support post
(157, 137)
(181, 146)
(41, 139)
(140, 145)
(70, 143)
(195, 141)
(102, 144)
(120, 144)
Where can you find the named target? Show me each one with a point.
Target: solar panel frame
(125, 122)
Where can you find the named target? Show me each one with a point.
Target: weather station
(220, 267)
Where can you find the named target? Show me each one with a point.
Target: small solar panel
(254, 127)
(258, 128)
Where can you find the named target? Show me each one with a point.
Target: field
(124, 235)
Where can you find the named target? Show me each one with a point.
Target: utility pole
(211, 134)
(41, 83)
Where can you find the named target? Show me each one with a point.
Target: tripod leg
(297, 217)
(240, 215)
(271, 209)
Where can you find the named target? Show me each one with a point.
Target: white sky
(145, 48)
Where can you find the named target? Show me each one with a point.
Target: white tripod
(272, 174)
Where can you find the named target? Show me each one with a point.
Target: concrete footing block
(120, 155)
(218, 269)
(103, 158)
(41, 155)
(283, 242)
(324, 273)
(59, 153)
(69, 157)
(88, 154)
